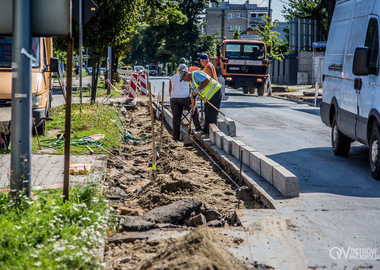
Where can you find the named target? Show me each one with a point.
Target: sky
(277, 6)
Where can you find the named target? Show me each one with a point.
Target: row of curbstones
(282, 179)
(221, 136)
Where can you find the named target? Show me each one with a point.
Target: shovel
(187, 140)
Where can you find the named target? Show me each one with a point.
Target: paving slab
(48, 169)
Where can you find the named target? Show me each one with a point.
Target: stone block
(255, 161)
(266, 168)
(198, 220)
(231, 127)
(219, 139)
(212, 129)
(222, 125)
(246, 153)
(227, 144)
(236, 147)
(286, 182)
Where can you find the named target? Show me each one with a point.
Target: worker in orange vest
(194, 67)
(209, 67)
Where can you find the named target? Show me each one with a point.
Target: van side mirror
(54, 64)
(360, 66)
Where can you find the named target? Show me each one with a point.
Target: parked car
(125, 70)
(351, 100)
(140, 68)
(152, 70)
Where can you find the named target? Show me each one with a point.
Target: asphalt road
(339, 203)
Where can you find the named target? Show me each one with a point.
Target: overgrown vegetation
(90, 120)
(44, 232)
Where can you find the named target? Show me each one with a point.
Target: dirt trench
(182, 173)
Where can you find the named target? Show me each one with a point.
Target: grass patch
(46, 233)
(93, 119)
(293, 90)
(101, 90)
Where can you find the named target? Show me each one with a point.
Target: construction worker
(180, 99)
(194, 67)
(182, 61)
(209, 68)
(208, 89)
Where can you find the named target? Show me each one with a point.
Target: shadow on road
(348, 176)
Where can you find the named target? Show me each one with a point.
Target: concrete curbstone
(236, 146)
(169, 118)
(246, 153)
(222, 125)
(212, 129)
(255, 161)
(219, 139)
(286, 182)
(227, 144)
(266, 168)
(231, 127)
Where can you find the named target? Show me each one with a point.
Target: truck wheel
(340, 143)
(245, 89)
(374, 151)
(252, 90)
(260, 90)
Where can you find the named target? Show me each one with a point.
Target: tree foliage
(168, 41)
(271, 38)
(236, 33)
(319, 10)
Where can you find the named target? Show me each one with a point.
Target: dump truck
(43, 64)
(243, 63)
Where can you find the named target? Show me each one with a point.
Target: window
(245, 51)
(253, 26)
(372, 42)
(231, 15)
(6, 52)
(253, 15)
(231, 28)
(240, 28)
(239, 15)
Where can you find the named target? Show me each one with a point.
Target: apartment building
(224, 18)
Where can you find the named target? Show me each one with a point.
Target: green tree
(236, 33)
(271, 38)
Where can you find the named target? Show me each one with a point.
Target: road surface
(339, 205)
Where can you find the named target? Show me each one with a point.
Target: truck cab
(42, 52)
(243, 63)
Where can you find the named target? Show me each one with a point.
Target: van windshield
(6, 52)
(245, 51)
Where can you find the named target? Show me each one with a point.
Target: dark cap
(203, 56)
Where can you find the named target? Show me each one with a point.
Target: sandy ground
(182, 172)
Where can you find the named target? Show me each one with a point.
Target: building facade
(224, 18)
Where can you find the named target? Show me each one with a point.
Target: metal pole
(21, 128)
(80, 51)
(270, 9)
(109, 57)
(68, 119)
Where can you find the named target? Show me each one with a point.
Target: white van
(351, 87)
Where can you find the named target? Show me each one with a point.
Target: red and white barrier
(143, 84)
(113, 87)
(133, 85)
(268, 85)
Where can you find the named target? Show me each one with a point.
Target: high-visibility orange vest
(213, 71)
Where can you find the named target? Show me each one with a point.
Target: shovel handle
(209, 103)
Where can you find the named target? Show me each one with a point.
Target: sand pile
(201, 249)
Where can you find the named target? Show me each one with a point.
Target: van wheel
(260, 90)
(340, 143)
(374, 151)
(252, 90)
(245, 89)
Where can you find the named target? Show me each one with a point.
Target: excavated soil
(182, 172)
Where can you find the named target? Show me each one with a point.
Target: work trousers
(211, 115)
(177, 105)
